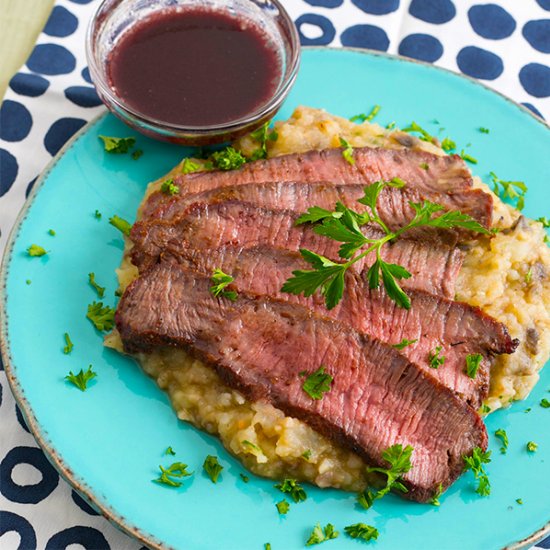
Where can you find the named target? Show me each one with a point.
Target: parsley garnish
(438, 492)
(424, 166)
(514, 190)
(531, 446)
(473, 362)
(317, 383)
(485, 409)
(545, 222)
(306, 455)
(51, 232)
(363, 117)
(544, 403)
(529, 276)
(267, 546)
(212, 467)
(343, 225)
(519, 501)
(404, 343)
(99, 289)
(424, 136)
(503, 436)
(68, 344)
(400, 463)
(137, 154)
(35, 250)
(177, 470)
(28, 281)
(448, 145)
(168, 187)
(188, 167)
(484, 130)
(261, 135)
(475, 463)
(390, 126)
(320, 534)
(292, 488)
(170, 451)
(221, 280)
(121, 224)
(97, 215)
(361, 531)
(283, 507)
(347, 153)
(436, 360)
(465, 156)
(228, 159)
(81, 379)
(103, 318)
(118, 146)
(246, 479)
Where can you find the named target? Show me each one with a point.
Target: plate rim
(18, 392)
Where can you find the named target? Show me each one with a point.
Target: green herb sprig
(503, 436)
(292, 488)
(102, 317)
(121, 224)
(68, 344)
(473, 362)
(35, 250)
(361, 531)
(169, 476)
(405, 343)
(99, 289)
(262, 135)
(318, 383)
(475, 463)
(81, 379)
(364, 117)
(513, 190)
(212, 468)
(220, 281)
(322, 534)
(117, 146)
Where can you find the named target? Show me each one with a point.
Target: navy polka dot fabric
(503, 43)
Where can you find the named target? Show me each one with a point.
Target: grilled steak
(445, 174)
(434, 266)
(259, 346)
(433, 321)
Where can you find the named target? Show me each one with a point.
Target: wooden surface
(20, 23)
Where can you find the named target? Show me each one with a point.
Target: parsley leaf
(118, 146)
(212, 467)
(519, 501)
(363, 117)
(465, 156)
(97, 215)
(262, 135)
(361, 531)
(322, 534)
(448, 145)
(292, 488)
(531, 446)
(513, 190)
(306, 455)
(545, 222)
(99, 289)
(170, 451)
(436, 360)
(51, 232)
(188, 166)
(35, 250)
(81, 379)
(283, 507)
(137, 154)
(168, 476)
(347, 153)
(484, 130)
(267, 546)
(473, 362)
(103, 318)
(168, 187)
(121, 224)
(424, 136)
(228, 159)
(544, 403)
(404, 343)
(503, 436)
(221, 280)
(485, 409)
(475, 463)
(317, 383)
(68, 344)
(438, 492)
(246, 479)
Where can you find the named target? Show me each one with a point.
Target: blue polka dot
(29, 187)
(27, 494)
(544, 4)
(12, 522)
(1, 362)
(60, 131)
(537, 33)
(325, 3)
(8, 172)
(82, 504)
(51, 59)
(322, 23)
(533, 109)
(81, 1)
(83, 96)
(377, 7)
(61, 22)
(20, 419)
(15, 121)
(365, 36)
(433, 11)
(1, 393)
(479, 63)
(491, 21)
(535, 79)
(421, 46)
(30, 85)
(87, 537)
(86, 75)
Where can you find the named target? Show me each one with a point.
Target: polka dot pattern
(433, 11)
(325, 3)
(535, 79)
(84, 96)
(12, 522)
(15, 121)
(377, 7)
(8, 172)
(491, 21)
(30, 85)
(61, 22)
(366, 36)
(87, 537)
(479, 63)
(59, 133)
(421, 46)
(320, 31)
(537, 33)
(51, 59)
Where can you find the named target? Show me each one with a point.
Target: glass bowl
(114, 18)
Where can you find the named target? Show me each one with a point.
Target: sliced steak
(445, 174)
(460, 329)
(378, 397)
(434, 266)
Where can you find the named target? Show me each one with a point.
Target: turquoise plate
(109, 441)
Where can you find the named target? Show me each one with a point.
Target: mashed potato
(507, 276)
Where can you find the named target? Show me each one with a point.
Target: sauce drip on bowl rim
(194, 67)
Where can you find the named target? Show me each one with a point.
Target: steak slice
(378, 397)
(434, 266)
(460, 329)
(445, 174)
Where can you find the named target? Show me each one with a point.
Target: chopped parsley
(347, 152)
(322, 534)
(28, 281)
(137, 154)
(545, 221)
(292, 488)
(363, 117)
(435, 499)
(519, 501)
(188, 166)
(267, 546)
(468, 158)
(399, 459)
(361, 531)
(484, 130)
(220, 281)
(485, 409)
(68, 344)
(245, 478)
(102, 317)
(448, 145)
(51, 232)
(404, 343)
(117, 146)
(262, 136)
(532, 446)
(168, 187)
(97, 215)
(503, 436)
(212, 468)
(99, 289)
(390, 126)
(473, 362)
(475, 463)
(306, 455)
(544, 403)
(228, 159)
(424, 136)
(251, 448)
(435, 360)
(283, 507)
(81, 379)
(513, 190)
(529, 276)
(169, 451)
(168, 476)
(424, 166)
(317, 383)
(36, 251)
(121, 224)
